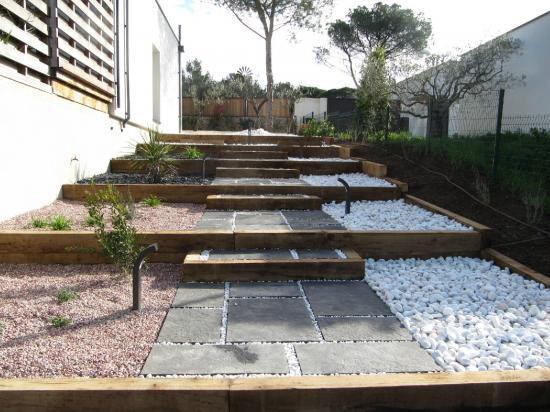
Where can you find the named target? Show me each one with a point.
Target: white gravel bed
(390, 215)
(321, 159)
(353, 179)
(467, 313)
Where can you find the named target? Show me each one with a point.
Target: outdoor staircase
(252, 154)
(257, 172)
(263, 202)
(272, 265)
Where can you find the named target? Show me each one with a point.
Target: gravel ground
(105, 338)
(353, 179)
(467, 313)
(390, 215)
(123, 178)
(167, 216)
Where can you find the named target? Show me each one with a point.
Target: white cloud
(213, 35)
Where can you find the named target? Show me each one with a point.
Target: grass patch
(60, 222)
(60, 321)
(66, 295)
(152, 201)
(39, 223)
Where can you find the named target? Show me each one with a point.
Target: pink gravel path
(167, 216)
(105, 339)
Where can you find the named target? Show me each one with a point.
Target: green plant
(65, 295)
(534, 200)
(119, 243)
(482, 186)
(152, 201)
(323, 128)
(89, 221)
(60, 222)
(155, 153)
(192, 153)
(39, 223)
(60, 321)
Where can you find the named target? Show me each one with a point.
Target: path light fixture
(136, 275)
(348, 195)
(204, 159)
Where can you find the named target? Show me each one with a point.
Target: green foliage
(60, 222)
(65, 295)
(89, 221)
(60, 321)
(156, 155)
(119, 242)
(152, 201)
(322, 128)
(192, 153)
(39, 223)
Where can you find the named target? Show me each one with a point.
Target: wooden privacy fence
(68, 40)
(236, 107)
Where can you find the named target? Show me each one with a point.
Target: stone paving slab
(311, 219)
(243, 220)
(191, 325)
(258, 181)
(215, 359)
(370, 357)
(271, 254)
(344, 299)
(267, 289)
(199, 295)
(348, 329)
(317, 254)
(269, 320)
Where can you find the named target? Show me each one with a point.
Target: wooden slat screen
(24, 38)
(235, 107)
(69, 40)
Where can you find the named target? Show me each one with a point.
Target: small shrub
(192, 153)
(65, 295)
(89, 221)
(60, 321)
(39, 223)
(119, 242)
(60, 222)
(534, 201)
(482, 187)
(323, 128)
(156, 155)
(152, 201)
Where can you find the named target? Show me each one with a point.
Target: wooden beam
(515, 266)
(374, 169)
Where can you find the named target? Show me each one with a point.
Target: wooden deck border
(198, 193)
(507, 262)
(408, 391)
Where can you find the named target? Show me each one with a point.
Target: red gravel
(105, 338)
(167, 216)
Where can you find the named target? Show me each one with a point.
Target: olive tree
(395, 30)
(442, 80)
(265, 17)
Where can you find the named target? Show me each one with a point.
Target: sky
(214, 36)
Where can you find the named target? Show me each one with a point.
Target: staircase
(263, 202)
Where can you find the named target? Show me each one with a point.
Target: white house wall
(308, 105)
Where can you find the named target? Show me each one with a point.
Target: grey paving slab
(269, 320)
(258, 181)
(215, 224)
(370, 357)
(268, 289)
(274, 254)
(258, 219)
(217, 215)
(386, 328)
(344, 298)
(311, 219)
(215, 359)
(191, 325)
(317, 254)
(199, 295)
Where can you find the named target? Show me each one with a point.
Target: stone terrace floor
(268, 220)
(286, 328)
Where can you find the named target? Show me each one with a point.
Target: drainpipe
(180, 108)
(117, 54)
(127, 60)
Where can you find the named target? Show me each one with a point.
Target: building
(79, 83)
(525, 106)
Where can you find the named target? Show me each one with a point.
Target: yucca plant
(156, 155)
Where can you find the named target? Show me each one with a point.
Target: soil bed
(166, 216)
(104, 339)
(125, 178)
(437, 190)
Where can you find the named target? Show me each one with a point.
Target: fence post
(496, 151)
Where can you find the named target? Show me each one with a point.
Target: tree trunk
(269, 73)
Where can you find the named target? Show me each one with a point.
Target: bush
(60, 321)
(152, 201)
(119, 243)
(315, 128)
(192, 153)
(156, 155)
(60, 222)
(39, 223)
(65, 295)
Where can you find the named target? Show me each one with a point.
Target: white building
(524, 105)
(79, 84)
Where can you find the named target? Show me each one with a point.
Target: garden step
(252, 154)
(272, 265)
(236, 172)
(263, 202)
